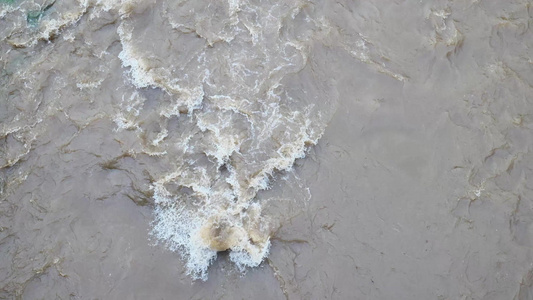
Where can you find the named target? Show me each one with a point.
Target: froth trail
(236, 103)
(229, 81)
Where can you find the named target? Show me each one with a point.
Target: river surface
(248, 149)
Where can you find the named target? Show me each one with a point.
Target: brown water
(155, 149)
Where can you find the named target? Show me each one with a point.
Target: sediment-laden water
(266, 149)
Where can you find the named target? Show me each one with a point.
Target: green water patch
(33, 17)
(7, 1)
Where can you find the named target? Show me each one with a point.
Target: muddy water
(266, 149)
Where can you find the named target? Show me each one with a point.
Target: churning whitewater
(239, 123)
(231, 111)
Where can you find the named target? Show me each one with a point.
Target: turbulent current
(229, 84)
(299, 149)
(219, 96)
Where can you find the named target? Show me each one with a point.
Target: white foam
(243, 127)
(124, 123)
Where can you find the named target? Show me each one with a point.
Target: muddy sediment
(266, 150)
